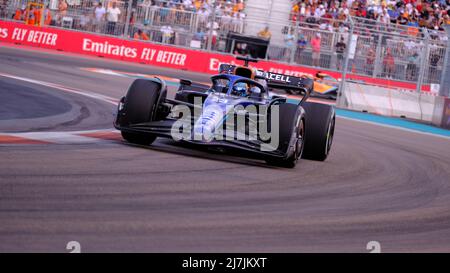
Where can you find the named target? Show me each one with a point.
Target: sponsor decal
(278, 77)
(34, 36)
(108, 49)
(165, 57)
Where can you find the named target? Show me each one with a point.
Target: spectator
(199, 35)
(228, 7)
(62, 10)
(132, 21)
(340, 48)
(162, 14)
(301, 45)
(226, 21)
(241, 49)
(199, 38)
(18, 15)
(112, 17)
(319, 12)
(85, 21)
(265, 33)
(289, 44)
(310, 19)
(447, 18)
(370, 61)
(411, 68)
(236, 21)
(239, 6)
(214, 32)
(167, 34)
(203, 15)
(37, 15)
(295, 11)
(47, 16)
(384, 18)
(3, 8)
(434, 61)
(188, 5)
(315, 45)
(389, 64)
(99, 15)
(325, 25)
(31, 16)
(215, 26)
(140, 35)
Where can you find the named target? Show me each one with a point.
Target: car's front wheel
(139, 106)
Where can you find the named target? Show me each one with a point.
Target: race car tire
(141, 103)
(291, 135)
(320, 123)
(136, 138)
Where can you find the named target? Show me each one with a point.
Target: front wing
(163, 128)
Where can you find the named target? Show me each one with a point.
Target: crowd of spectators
(400, 21)
(3, 7)
(109, 16)
(228, 14)
(432, 14)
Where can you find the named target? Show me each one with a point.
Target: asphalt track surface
(379, 184)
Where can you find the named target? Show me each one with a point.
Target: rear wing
(274, 80)
(277, 81)
(286, 82)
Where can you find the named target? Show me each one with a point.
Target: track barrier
(391, 102)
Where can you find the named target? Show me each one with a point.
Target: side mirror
(185, 82)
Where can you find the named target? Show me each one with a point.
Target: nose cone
(212, 117)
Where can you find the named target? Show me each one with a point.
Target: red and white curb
(73, 137)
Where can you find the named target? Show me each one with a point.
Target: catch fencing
(392, 53)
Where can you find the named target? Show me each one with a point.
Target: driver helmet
(240, 89)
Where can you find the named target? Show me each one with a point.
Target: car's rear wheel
(320, 119)
(140, 106)
(291, 136)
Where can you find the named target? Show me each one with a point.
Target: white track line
(393, 127)
(63, 88)
(69, 137)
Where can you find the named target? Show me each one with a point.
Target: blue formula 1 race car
(236, 114)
